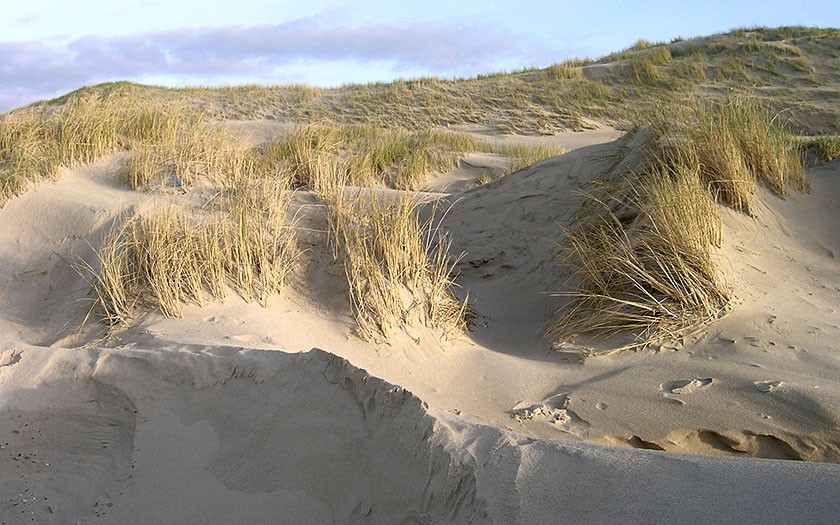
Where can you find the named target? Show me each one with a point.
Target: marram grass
(398, 269)
(175, 256)
(644, 262)
(641, 255)
(35, 141)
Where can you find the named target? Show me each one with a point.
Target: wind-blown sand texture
(239, 414)
(275, 410)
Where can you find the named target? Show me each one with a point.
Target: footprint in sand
(555, 411)
(685, 386)
(251, 339)
(10, 357)
(768, 386)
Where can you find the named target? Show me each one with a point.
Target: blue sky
(50, 47)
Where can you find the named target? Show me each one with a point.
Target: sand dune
(233, 414)
(192, 434)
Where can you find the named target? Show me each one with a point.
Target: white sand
(232, 414)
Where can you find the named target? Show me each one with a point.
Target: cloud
(35, 70)
(29, 20)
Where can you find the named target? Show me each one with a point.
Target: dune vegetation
(712, 117)
(175, 255)
(642, 251)
(239, 235)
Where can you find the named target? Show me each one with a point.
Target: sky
(51, 47)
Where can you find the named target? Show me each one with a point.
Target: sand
(240, 414)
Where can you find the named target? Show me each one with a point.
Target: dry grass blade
(177, 256)
(392, 280)
(654, 277)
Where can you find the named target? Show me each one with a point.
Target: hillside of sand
(236, 412)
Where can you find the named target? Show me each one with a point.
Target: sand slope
(230, 414)
(223, 435)
(761, 381)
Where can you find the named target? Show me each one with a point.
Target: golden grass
(644, 263)
(644, 66)
(25, 153)
(737, 142)
(35, 141)
(564, 71)
(176, 256)
(371, 155)
(304, 150)
(731, 68)
(238, 240)
(692, 68)
(398, 269)
(524, 155)
(826, 147)
(198, 151)
(642, 255)
(403, 160)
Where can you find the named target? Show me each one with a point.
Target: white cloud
(32, 70)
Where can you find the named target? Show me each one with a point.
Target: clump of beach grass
(644, 66)
(644, 262)
(524, 155)
(402, 159)
(36, 140)
(398, 269)
(570, 69)
(26, 154)
(372, 156)
(191, 150)
(304, 151)
(826, 147)
(691, 68)
(174, 256)
(642, 252)
(737, 141)
(484, 178)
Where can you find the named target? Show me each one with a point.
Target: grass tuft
(642, 255)
(398, 268)
(564, 71)
(826, 147)
(523, 155)
(644, 67)
(736, 142)
(35, 141)
(177, 256)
